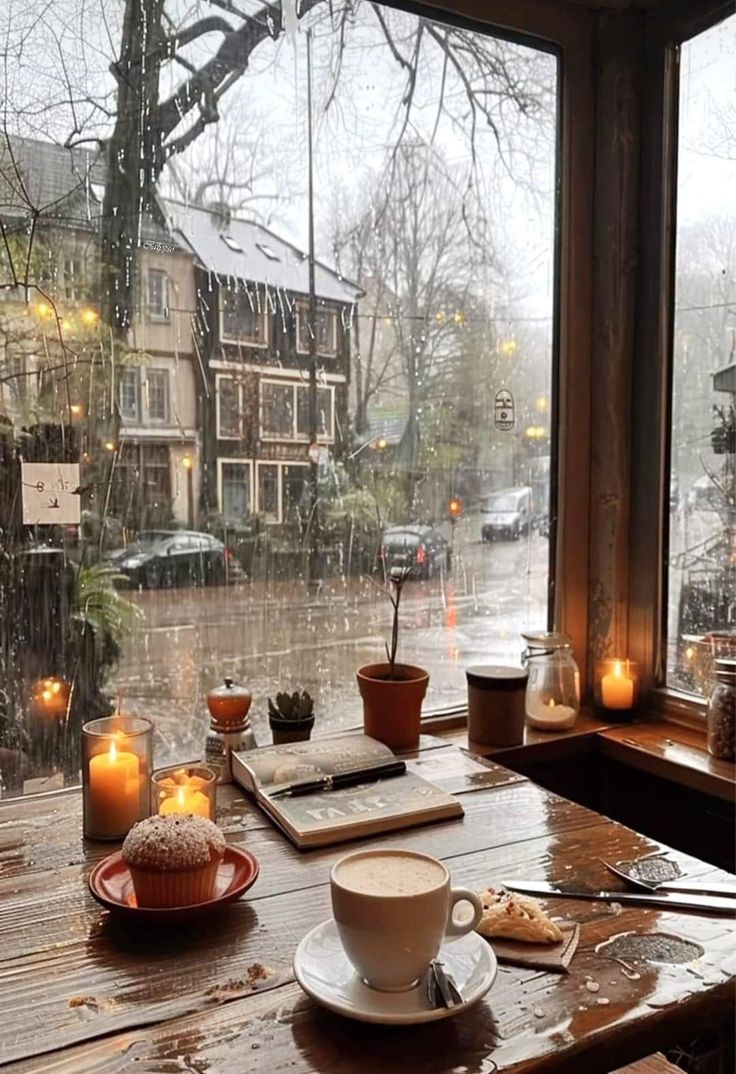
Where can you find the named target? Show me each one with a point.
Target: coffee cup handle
(455, 928)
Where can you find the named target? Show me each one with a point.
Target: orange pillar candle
(617, 689)
(115, 790)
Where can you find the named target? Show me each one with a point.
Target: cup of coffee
(393, 909)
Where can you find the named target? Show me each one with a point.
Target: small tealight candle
(617, 689)
(184, 790)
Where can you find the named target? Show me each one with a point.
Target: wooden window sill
(664, 749)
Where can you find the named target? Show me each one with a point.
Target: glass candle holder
(184, 789)
(553, 687)
(616, 685)
(117, 758)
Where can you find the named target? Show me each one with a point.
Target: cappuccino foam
(390, 874)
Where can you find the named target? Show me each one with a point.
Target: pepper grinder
(229, 727)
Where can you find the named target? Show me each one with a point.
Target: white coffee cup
(393, 909)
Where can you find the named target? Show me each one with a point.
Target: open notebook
(334, 816)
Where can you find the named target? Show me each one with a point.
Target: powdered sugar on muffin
(174, 842)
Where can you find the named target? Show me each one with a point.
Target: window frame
(151, 313)
(164, 372)
(127, 416)
(296, 437)
(302, 314)
(235, 460)
(247, 342)
(280, 465)
(219, 434)
(651, 416)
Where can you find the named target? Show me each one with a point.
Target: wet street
(283, 635)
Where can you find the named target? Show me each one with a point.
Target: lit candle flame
(113, 753)
(618, 670)
(180, 796)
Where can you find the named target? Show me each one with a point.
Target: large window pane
(702, 548)
(179, 303)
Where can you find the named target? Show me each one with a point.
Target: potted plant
(393, 693)
(291, 718)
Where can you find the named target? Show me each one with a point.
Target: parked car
(506, 513)
(420, 548)
(161, 559)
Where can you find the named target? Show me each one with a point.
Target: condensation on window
(167, 330)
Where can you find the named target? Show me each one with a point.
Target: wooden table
(80, 992)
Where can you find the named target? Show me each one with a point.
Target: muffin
(173, 860)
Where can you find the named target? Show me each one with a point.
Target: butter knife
(674, 901)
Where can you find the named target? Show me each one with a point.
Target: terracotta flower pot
(289, 730)
(392, 708)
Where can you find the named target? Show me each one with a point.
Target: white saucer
(322, 969)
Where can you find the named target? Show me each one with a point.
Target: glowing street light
(89, 316)
(508, 347)
(542, 404)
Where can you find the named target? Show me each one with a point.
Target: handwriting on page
(51, 493)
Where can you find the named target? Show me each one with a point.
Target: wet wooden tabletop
(81, 992)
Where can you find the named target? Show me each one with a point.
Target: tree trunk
(134, 157)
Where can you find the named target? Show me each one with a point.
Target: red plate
(111, 884)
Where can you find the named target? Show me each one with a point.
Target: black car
(421, 548)
(161, 559)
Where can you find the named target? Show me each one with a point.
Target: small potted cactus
(291, 717)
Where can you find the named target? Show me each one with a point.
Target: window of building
(129, 394)
(285, 411)
(156, 474)
(235, 489)
(72, 278)
(242, 321)
(268, 491)
(283, 491)
(325, 413)
(701, 581)
(278, 414)
(229, 408)
(325, 329)
(158, 294)
(157, 388)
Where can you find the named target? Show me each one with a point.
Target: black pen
(352, 778)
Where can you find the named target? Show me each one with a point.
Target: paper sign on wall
(50, 493)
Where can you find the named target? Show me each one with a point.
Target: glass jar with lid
(722, 710)
(553, 686)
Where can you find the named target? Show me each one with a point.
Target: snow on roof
(245, 250)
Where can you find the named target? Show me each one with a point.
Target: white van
(506, 513)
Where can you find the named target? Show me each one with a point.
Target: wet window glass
(296, 371)
(701, 619)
